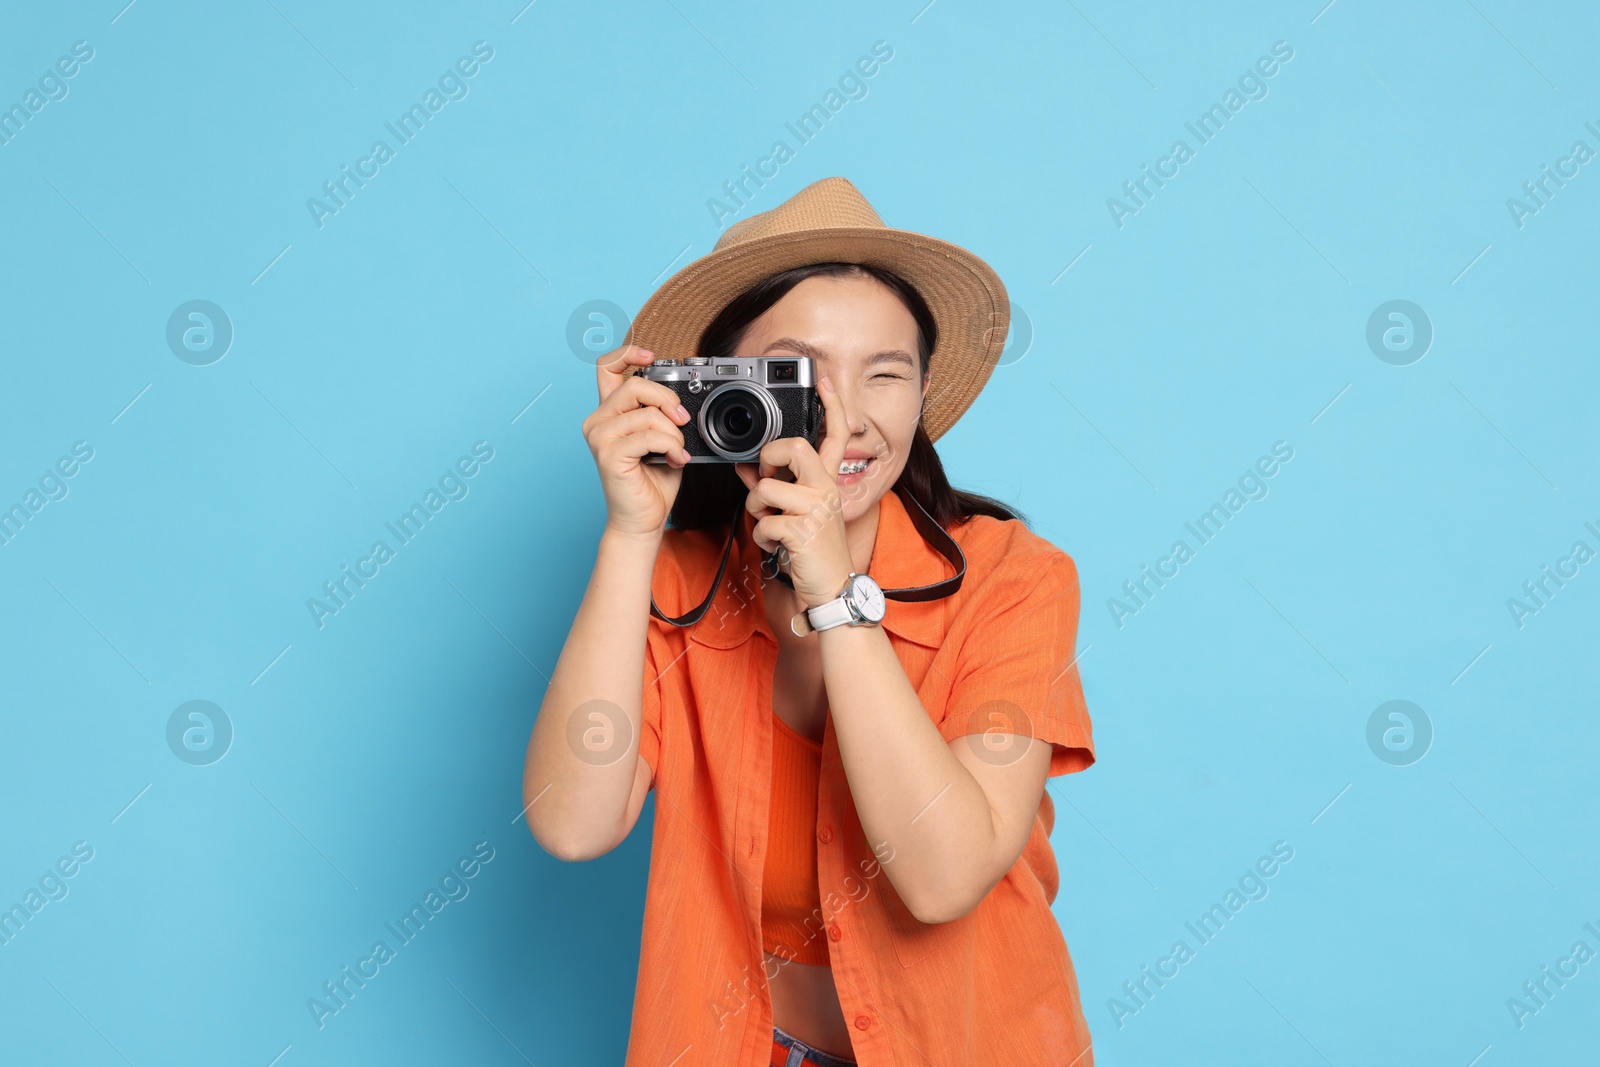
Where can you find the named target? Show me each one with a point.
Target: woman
(851, 836)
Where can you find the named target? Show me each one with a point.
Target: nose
(853, 423)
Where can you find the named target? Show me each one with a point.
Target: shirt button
(862, 1022)
(834, 932)
(825, 834)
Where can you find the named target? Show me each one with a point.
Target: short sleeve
(1018, 666)
(650, 731)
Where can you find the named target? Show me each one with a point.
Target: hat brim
(968, 301)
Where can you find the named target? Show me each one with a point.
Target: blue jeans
(801, 1053)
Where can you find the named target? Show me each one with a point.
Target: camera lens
(738, 420)
(735, 420)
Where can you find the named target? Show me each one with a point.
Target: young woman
(851, 835)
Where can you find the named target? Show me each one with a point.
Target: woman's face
(864, 339)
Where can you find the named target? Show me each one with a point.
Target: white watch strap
(834, 613)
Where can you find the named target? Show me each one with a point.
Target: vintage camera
(736, 405)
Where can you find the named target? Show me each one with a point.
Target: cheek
(896, 421)
(895, 412)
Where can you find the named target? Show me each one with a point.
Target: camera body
(736, 405)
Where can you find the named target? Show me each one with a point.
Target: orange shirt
(995, 986)
(792, 923)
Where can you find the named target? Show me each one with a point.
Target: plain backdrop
(1156, 355)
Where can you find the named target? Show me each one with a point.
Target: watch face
(867, 598)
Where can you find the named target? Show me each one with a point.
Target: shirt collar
(900, 559)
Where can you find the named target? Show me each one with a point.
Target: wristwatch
(860, 604)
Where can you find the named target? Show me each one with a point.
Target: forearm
(577, 804)
(908, 787)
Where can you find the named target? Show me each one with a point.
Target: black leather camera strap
(930, 530)
(692, 617)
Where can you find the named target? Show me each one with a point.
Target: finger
(771, 495)
(760, 511)
(785, 457)
(611, 369)
(832, 449)
(783, 534)
(636, 421)
(748, 474)
(768, 533)
(773, 457)
(642, 392)
(795, 456)
(636, 445)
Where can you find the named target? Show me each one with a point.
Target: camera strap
(692, 617)
(930, 530)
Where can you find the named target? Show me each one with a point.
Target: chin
(858, 505)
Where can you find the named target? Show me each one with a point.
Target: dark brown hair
(710, 492)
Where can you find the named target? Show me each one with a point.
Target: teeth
(854, 466)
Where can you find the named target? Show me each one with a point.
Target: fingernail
(826, 384)
(683, 412)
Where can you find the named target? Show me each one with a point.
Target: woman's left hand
(808, 534)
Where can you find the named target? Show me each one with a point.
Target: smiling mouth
(854, 466)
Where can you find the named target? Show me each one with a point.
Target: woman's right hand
(636, 416)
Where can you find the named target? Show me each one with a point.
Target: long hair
(710, 493)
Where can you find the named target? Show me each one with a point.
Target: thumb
(613, 368)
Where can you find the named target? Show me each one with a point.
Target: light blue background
(1230, 313)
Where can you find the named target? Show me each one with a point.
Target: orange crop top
(791, 903)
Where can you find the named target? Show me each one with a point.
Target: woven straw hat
(829, 220)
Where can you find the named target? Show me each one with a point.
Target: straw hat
(829, 220)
